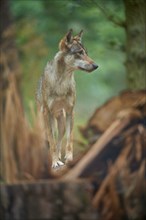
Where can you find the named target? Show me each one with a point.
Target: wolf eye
(80, 52)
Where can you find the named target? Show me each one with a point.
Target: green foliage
(40, 24)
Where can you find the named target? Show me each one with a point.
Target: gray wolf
(56, 94)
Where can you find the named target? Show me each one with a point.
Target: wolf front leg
(50, 125)
(69, 134)
(61, 131)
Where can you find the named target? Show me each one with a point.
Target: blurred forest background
(39, 26)
(114, 35)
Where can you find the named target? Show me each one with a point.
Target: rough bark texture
(105, 115)
(135, 11)
(47, 200)
(9, 62)
(24, 153)
(4, 13)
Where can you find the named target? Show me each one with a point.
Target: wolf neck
(61, 69)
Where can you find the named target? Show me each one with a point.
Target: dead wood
(85, 165)
(113, 171)
(24, 155)
(47, 200)
(119, 192)
(107, 113)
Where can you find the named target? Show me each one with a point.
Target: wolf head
(75, 53)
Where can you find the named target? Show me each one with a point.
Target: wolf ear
(63, 45)
(80, 34)
(78, 37)
(69, 36)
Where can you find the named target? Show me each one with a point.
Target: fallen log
(89, 162)
(105, 115)
(47, 200)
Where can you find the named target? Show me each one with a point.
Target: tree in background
(135, 27)
(9, 63)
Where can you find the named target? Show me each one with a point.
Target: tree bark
(4, 13)
(47, 200)
(9, 62)
(135, 11)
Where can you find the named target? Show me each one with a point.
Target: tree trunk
(50, 200)
(4, 13)
(10, 98)
(9, 63)
(135, 11)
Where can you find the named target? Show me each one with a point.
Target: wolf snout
(95, 66)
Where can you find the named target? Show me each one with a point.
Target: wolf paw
(57, 164)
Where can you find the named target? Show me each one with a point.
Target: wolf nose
(95, 66)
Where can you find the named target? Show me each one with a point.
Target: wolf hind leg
(50, 125)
